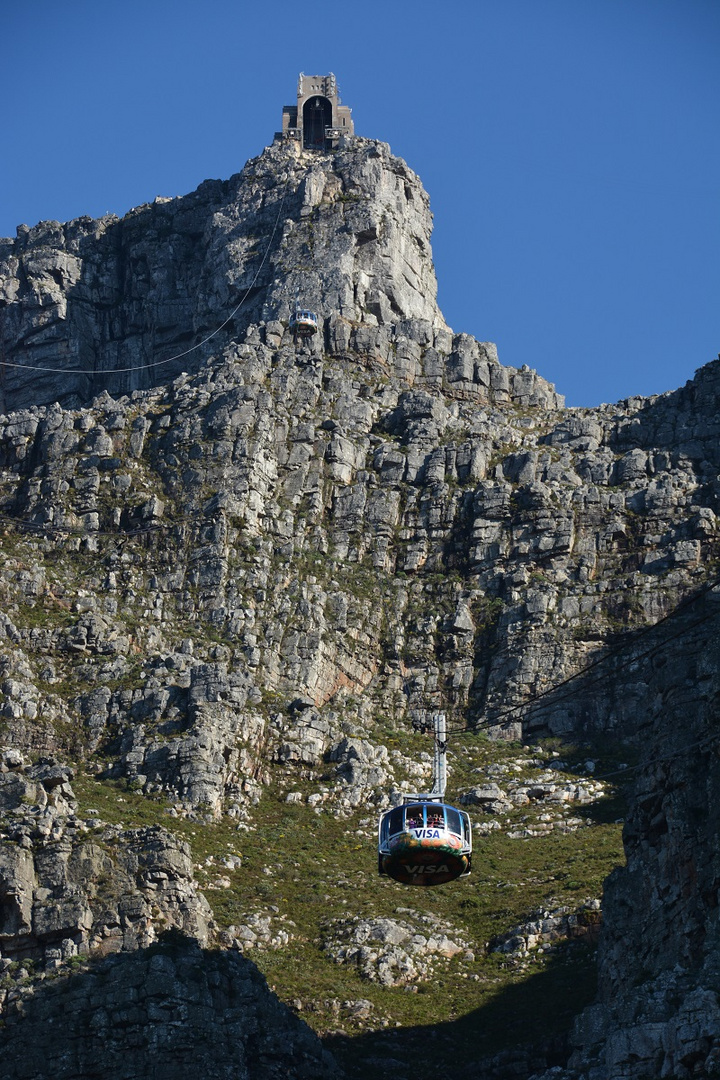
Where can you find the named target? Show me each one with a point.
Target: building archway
(317, 115)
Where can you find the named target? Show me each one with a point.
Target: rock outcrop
(102, 932)
(322, 531)
(394, 952)
(70, 886)
(104, 304)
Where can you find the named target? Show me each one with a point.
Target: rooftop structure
(318, 120)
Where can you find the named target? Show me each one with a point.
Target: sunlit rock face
(348, 233)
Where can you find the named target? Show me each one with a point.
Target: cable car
(303, 323)
(424, 842)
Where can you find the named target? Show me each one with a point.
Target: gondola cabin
(303, 323)
(424, 842)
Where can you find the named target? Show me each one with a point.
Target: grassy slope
(314, 868)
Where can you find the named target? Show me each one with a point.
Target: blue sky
(570, 148)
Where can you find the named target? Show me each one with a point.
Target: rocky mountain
(120, 305)
(236, 567)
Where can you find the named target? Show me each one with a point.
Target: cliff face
(244, 571)
(104, 304)
(658, 1009)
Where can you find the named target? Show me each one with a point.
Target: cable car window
(435, 817)
(453, 820)
(467, 832)
(394, 821)
(414, 817)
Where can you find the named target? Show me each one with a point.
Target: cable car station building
(318, 121)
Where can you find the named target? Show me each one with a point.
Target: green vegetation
(306, 869)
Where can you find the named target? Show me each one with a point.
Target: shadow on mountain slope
(172, 1011)
(521, 1030)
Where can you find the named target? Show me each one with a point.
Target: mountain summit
(121, 304)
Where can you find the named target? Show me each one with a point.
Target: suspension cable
(185, 352)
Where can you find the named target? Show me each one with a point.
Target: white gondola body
(424, 842)
(303, 323)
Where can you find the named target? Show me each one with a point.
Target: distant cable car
(303, 324)
(426, 841)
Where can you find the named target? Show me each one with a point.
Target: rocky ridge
(248, 568)
(105, 303)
